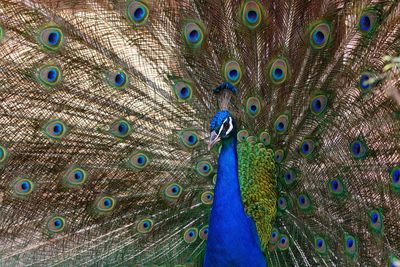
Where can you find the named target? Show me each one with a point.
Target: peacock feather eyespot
(395, 178)
(320, 245)
(207, 197)
(193, 32)
(172, 191)
(138, 160)
(307, 147)
(279, 155)
(189, 139)
(251, 14)
(281, 124)
(367, 82)
(3, 154)
(265, 138)
(336, 187)
(22, 187)
(289, 177)
(278, 71)
(274, 237)
(105, 204)
(75, 177)
(182, 90)
(190, 235)
(375, 220)
(120, 128)
(253, 106)
(49, 75)
(283, 242)
(359, 149)
(138, 12)
(51, 38)
(203, 233)
(204, 168)
(320, 35)
(232, 72)
(350, 245)
(282, 203)
(304, 202)
(318, 104)
(55, 129)
(56, 224)
(145, 226)
(368, 21)
(242, 135)
(117, 79)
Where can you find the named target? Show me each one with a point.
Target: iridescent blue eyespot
(351, 245)
(117, 79)
(49, 75)
(75, 177)
(278, 71)
(320, 245)
(138, 160)
(307, 148)
(395, 178)
(253, 106)
(320, 35)
(56, 224)
(336, 187)
(193, 34)
(304, 202)
(182, 90)
(375, 220)
(367, 21)
(282, 203)
(105, 204)
(145, 226)
(367, 82)
(281, 124)
(51, 38)
(22, 187)
(274, 236)
(55, 129)
(207, 197)
(204, 168)
(283, 243)
(203, 233)
(189, 138)
(232, 72)
(120, 128)
(251, 14)
(318, 104)
(289, 177)
(279, 155)
(137, 12)
(359, 149)
(190, 235)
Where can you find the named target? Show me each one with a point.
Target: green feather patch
(258, 186)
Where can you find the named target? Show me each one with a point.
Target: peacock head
(222, 127)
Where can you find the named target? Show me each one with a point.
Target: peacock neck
(232, 238)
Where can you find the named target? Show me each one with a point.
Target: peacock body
(106, 111)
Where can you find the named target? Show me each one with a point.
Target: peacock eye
(226, 126)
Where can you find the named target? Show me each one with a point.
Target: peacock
(199, 133)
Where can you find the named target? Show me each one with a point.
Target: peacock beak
(214, 138)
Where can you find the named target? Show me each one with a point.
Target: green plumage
(105, 109)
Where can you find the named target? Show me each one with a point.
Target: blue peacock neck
(232, 238)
